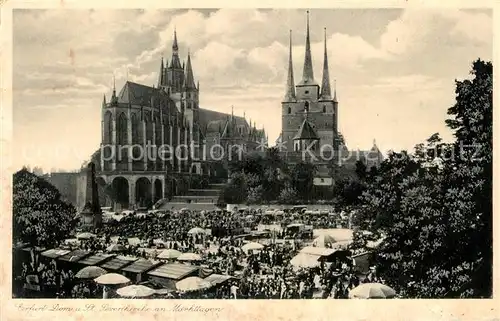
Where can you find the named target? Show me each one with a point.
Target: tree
(469, 176)
(360, 170)
(40, 217)
(288, 195)
(235, 192)
(437, 217)
(302, 176)
(255, 195)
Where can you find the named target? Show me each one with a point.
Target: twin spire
(308, 72)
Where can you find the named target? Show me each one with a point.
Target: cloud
(417, 29)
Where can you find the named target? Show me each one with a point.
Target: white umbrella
(305, 261)
(115, 248)
(252, 246)
(169, 254)
(135, 291)
(372, 291)
(193, 283)
(196, 230)
(324, 240)
(112, 279)
(90, 272)
(189, 257)
(85, 236)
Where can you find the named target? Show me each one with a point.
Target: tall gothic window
(306, 107)
(324, 109)
(289, 110)
(108, 128)
(122, 130)
(136, 130)
(149, 127)
(158, 131)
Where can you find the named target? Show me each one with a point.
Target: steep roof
(206, 116)
(306, 131)
(136, 94)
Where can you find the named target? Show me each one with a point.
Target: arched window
(136, 131)
(324, 109)
(149, 127)
(122, 130)
(108, 128)
(289, 110)
(158, 131)
(306, 107)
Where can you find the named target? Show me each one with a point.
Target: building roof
(136, 94)
(206, 116)
(96, 259)
(118, 263)
(141, 266)
(53, 253)
(74, 256)
(173, 271)
(306, 131)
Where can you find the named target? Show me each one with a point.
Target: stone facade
(155, 138)
(310, 121)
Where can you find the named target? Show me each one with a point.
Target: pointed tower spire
(175, 61)
(189, 78)
(308, 74)
(160, 77)
(335, 90)
(175, 46)
(326, 92)
(104, 101)
(114, 99)
(290, 83)
(198, 85)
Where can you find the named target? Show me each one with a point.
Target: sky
(395, 69)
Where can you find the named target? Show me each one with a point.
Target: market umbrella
(135, 291)
(252, 246)
(169, 254)
(324, 240)
(193, 283)
(189, 257)
(115, 248)
(90, 272)
(112, 279)
(85, 236)
(302, 260)
(372, 291)
(196, 230)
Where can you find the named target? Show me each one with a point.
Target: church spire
(189, 80)
(175, 61)
(104, 101)
(175, 47)
(308, 74)
(335, 91)
(325, 84)
(114, 99)
(160, 76)
(290, 83)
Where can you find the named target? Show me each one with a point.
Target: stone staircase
(195, 199)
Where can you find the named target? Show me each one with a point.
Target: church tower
(309, 106)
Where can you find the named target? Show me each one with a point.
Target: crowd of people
(263, 273)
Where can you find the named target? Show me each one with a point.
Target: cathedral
(310, 121)
(156, 138)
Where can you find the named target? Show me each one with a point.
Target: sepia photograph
(244, 154)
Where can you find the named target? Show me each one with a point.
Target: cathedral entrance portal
(119, 188)
(143, 193)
